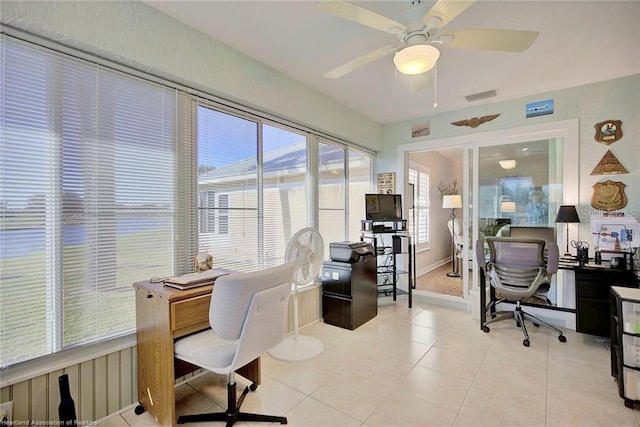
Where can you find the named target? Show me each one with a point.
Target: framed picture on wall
(387, 183)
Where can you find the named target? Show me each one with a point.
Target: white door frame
(567, 130)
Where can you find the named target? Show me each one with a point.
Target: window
(259, 173)
(331, 193)
(419, 176)
(86, 173)
(359, 169)
(108, 179)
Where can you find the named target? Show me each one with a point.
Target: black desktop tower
(349, 292)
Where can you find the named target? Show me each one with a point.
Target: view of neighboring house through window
(252, 186)
(359, 169)
(419, 217)
(105, 181)
(331, 193)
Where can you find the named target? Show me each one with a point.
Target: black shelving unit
(625, 342)
(395, 256)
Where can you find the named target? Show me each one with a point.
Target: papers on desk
(568, 263)
(193, 280)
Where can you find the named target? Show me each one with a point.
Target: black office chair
(517, 269)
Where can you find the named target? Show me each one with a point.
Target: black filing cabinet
(349, 292)
(592, 297)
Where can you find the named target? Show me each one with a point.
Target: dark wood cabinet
(593, 297)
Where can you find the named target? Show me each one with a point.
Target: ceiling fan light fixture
(507, 164)
(416, 59)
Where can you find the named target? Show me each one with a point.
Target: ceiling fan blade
(359, 62)
(351, 12)
(421, 82)
(486, 39)
(444, 11)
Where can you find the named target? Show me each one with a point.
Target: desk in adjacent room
(162, 315)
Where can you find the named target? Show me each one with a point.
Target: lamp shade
(507, 207)
(416, 59)
(452, 201)
(567, 213)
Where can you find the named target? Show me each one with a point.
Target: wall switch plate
(6, 413)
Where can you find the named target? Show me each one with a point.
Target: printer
(349, 251)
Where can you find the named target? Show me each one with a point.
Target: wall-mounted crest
(609, 196)
(609, 131)
(609, 165)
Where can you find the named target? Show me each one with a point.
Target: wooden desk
(162, 315)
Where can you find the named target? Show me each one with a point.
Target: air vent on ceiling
(481, 95)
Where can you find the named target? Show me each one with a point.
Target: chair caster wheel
(536, 325)
(139, 409)
(253, 387)
(525, 343)
(562, 338)
(485, 329)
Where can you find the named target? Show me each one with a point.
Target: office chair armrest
(553, 258)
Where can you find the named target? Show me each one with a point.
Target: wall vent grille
(481, 95)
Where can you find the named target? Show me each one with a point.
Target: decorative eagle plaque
(475, 121)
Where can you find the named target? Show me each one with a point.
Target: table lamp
(567, 214)
(507, 207)
(452, 202)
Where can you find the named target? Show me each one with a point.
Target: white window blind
(419, 176)
(331, 193)
(252, 182)
(285, 189)
(87, 198)
(359, 185)
(228, 171)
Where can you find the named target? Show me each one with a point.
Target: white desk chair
(247, 316)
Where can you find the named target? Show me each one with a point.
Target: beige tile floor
(426, 366)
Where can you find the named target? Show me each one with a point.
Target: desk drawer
(190, 315)
(593, 289)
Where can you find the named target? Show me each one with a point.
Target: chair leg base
(232, 414)
(231, 418)
(519, 316)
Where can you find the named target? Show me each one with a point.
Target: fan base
(293, 349)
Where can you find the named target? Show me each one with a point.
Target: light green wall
(617, 99)
(135, 34)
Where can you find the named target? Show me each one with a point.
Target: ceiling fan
(416, 53)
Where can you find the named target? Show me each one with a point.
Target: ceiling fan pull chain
(435, 86)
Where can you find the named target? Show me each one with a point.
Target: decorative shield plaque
(609, 131)
(609, 196)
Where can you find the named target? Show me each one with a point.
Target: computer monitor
(548, 234)
(383, 207)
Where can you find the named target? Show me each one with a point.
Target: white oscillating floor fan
(305, 250)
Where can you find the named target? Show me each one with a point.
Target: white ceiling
(580, 42)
